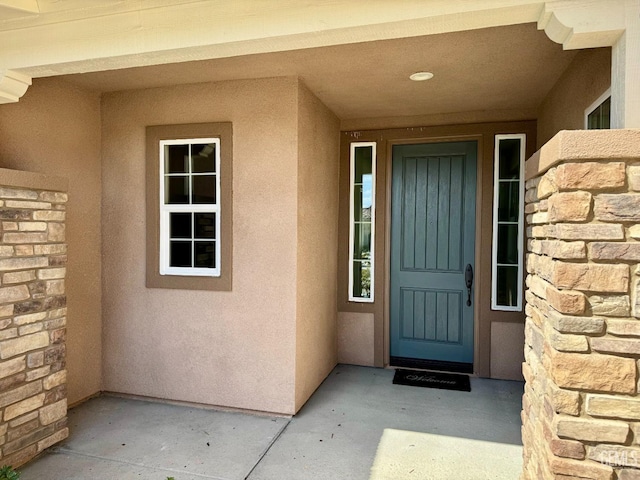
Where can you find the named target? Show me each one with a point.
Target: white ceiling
(501, 68)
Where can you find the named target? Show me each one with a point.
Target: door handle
(468, 279)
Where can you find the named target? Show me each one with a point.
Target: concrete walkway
(335, 436)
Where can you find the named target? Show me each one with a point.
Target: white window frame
(494, 245)
(591, 108)
(352, 168)
(167, 209)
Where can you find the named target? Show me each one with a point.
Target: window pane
(176, 158)
(180, 225)
(509, 163)
(204, 189)
(203, 158)
(176, 190)
(363, 162)
(362, 241)
(180, 254)
(361, 280)
(363, 199)
(507, 286)
(205, 255)
(508, 244)
(205, 225)
(600, 118)
(508, 201)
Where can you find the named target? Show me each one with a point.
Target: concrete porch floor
(475, 435)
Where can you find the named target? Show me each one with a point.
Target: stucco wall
(586, 79)
(234, 348)
(317, 261)
(55, 129)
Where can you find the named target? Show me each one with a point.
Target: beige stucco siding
(55, 129)
(220, 348)
(317, 257)
(586, 79)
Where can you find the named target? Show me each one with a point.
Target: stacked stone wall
(581, 408)
(33, 257)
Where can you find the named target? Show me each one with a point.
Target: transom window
(190, 207)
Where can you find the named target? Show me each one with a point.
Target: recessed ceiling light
(421, 76)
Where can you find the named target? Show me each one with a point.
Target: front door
(432, 243)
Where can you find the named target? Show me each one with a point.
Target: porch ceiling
(501, 68)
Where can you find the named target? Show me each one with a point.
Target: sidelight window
(508, 223)
(362, 221)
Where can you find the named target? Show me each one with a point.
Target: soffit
(499, 68)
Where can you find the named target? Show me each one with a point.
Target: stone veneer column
(33, 399)
(581, 408)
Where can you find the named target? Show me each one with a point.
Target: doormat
(447, 381)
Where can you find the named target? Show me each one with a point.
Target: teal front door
(432, 246)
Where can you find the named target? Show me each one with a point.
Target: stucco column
(625, 72)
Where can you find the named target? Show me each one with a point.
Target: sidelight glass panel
(362, 164)
(205, 254)
(203, 158)
(180, 225)
(205, 225)
(180, 254)
(508, 213)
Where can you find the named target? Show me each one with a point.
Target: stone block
(634, 231)
(19, 194)
(15, 214)
(566, 301)
(615, 251)
(20, 408)
(14, 294)
(564, 401)
(11, 367)
(24, 237)
(19, 393)
(55, 379)
(588, 231)
(29, 318)
(53, 197)
(24, 250)
(21, 457)
(53, 412)
(28, 205)
(610, 305)
(615, 455)
(53, 439)
(16, 422)
(56, 232)
(23, 263)
(55, 287)
(623, 328)
(569, 207)
(627, 408)
(35, 359)
(546, 186)
(6, 251)
(32, 226)
(591, 277)
(579, 325)
(31, 328)
(576, 469)
(16, 346)
(8, 333)
(567, 448)
(54, 249)
(22, 430)
(623, 346)
(37, 373)
(568, 343)
(623, 207)
(51, 273)
(19, 277)
(600, 373)
(590, 175)
(591, 430)
(29, 439)
(564, 250)
(629, 474)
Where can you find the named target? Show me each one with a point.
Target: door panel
(432, 240)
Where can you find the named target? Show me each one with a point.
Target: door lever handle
(468, 279)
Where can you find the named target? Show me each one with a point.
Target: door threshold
(436, 365)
